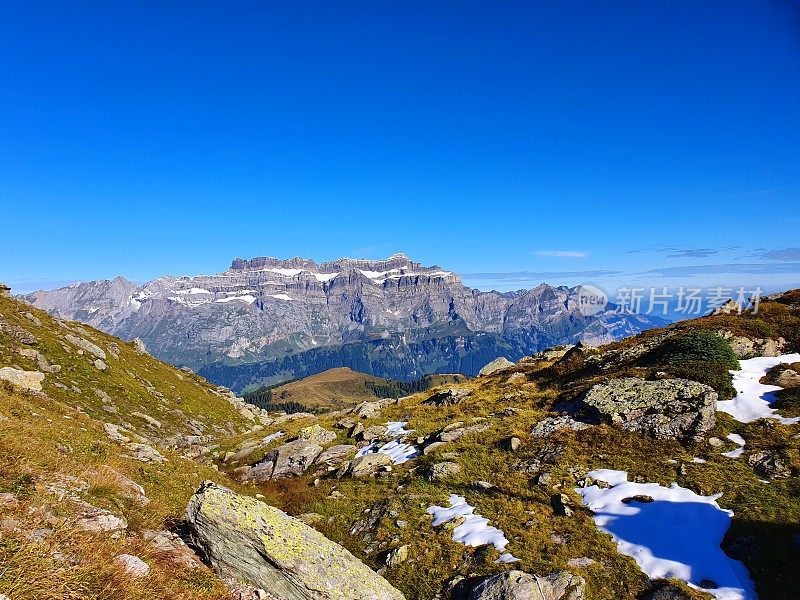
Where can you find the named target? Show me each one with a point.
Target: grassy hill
(339, 388)
(62, 474)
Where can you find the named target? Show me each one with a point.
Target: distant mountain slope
(271, 310)
(340, 388)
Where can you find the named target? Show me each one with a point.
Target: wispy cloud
(784, 254)
(562, 253)
(693, 253)
(730, 268)
(537, 275)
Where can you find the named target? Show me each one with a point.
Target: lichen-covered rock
(770, 464)
(666, 409)
(368, 465)
(498, 364)
(86, 346)
(550, 425)
(316, 434)
(27, 380)
(444, 470)
(518, 585)
(247, 540)
(335, 455)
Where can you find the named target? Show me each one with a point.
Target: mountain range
(268, 320)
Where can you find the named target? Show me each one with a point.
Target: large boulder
(27, 380)
(666, 409)
(288, 460)
(518, 585)
(246, 540)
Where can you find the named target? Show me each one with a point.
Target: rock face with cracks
(247, 540)
(665, 409)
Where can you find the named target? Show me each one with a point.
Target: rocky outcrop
(518, 585)
(666, 409)
(498, 364)
(246, 540)
(550, 425)
(749, 347)
(288, 460)
(448, 397)
(26, 380)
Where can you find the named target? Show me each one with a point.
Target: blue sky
(624, 143)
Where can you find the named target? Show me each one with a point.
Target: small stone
(133, 565)
(100, 365)
(444, 470)
(512, 443)
(715, 442)
(397, 556)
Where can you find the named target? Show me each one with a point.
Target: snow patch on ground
(753, 399)
(675, 536)
(736, 439)
(272, 437)
(324, 276)
(285, 297)
(246, 298)
(398, 450)
(473, 529)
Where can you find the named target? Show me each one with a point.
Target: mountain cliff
(283, 319)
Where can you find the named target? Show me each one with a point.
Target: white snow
(324, 276)
(285, 272)
(285, 297)
(272, 437)
(246, 298)
(396, 449)
(699, 461)
(753, 399)
(675, 536)
(193, 290)
(736, 439)
(474, 530)
(506, 557)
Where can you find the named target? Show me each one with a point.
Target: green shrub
(700, 346)
(714, 374)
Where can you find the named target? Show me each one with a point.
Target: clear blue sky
(561, 141)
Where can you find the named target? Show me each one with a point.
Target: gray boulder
(335, 455)
(316, 435)
(448, 397)
(550, 425)
(666, 409)
(518, 585)
(369, 464)
(288, 460)
(445, 470)
(246, 540)
(27, 380)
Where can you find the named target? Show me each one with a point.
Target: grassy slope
(769, 513)
(60, 432)
(331, 389)
(342, 387)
